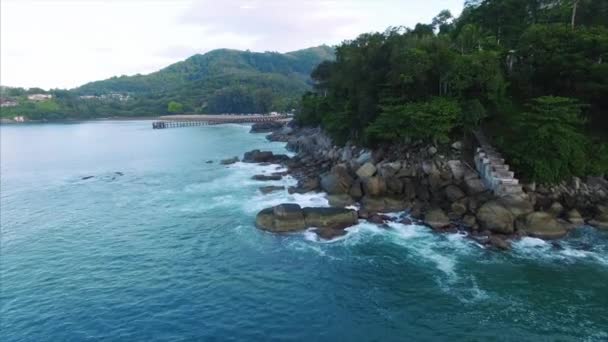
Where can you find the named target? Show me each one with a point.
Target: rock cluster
(328, 222)
(435, 185)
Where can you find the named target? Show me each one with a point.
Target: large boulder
(266, 127)
(453, 193)
(333, 218)
(374, 186)
(600, 221)
(495, 217)
(474, 185)
(257, 156)
(373, 204)
(517, 205)
(436, 218)
(541, 225)
(457, 169)
(288, 217)
(337, 181)
(367, 170)
(388, 170)
(574, 217)
(341, 201)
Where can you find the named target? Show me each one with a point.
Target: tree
(175, 107)
(432, 121)
(549, 143)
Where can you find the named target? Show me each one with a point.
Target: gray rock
(229, 161)
(356, 190)
(394, 185)
(388, 170)
(575, 217)
(459, 208)
(374, 186)
(364, 157)
(436, 218)
(457, 145)
(496, 218)
(457, 169)
(367, 170)
(373, 204)
(556, 209)
(541, 225)
(341, 201)
(453, 193)
(268, 189)
(266, 177)
(432, 150)
(334, 218)
(600, 221)
(499, 242)
(474, 186)
(337, 181)
(517, 205)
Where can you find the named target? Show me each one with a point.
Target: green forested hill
(220, 81)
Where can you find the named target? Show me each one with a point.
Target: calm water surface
(160, 245)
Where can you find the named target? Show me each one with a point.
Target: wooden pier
(173, 121)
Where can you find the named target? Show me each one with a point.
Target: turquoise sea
(159, 245)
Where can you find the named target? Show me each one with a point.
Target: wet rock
(517, 205)
(118, 173)
(87, 177)
(469, 221)
(229, 161)
(541, 225)
(334, 218)
(436, 218)
(373, 204)
(266, 177)
(268, 189)
(394, 185)
(266, 127)
(209, 162)
(328, 233)
(374, 186)
(499, 242)
(495, 217)
(556, 209)
(257, 156)
(342, 200)
(356, 190)
(574, 217)
(367, 170)
(600, 221)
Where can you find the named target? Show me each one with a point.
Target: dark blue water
(167, 251)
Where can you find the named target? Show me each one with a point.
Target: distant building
(8, 103)
(39, 97)
(19, 118)
(88, 97)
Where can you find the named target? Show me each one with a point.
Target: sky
(66, 43)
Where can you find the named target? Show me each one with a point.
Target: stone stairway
(493, 170)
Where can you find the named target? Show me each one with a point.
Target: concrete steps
(494, 171)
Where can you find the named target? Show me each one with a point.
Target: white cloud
(59, 43)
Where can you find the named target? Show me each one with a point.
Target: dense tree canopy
(532, 73)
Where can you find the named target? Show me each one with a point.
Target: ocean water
(160, 246)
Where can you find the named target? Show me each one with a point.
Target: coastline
(429, 185)
(5, 121)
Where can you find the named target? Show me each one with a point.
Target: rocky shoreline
(433, 184)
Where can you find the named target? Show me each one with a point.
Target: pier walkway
(172, 121)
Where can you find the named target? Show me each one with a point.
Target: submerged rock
(267, 177)
(272, 188)
(229, 161)
(87, 177)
